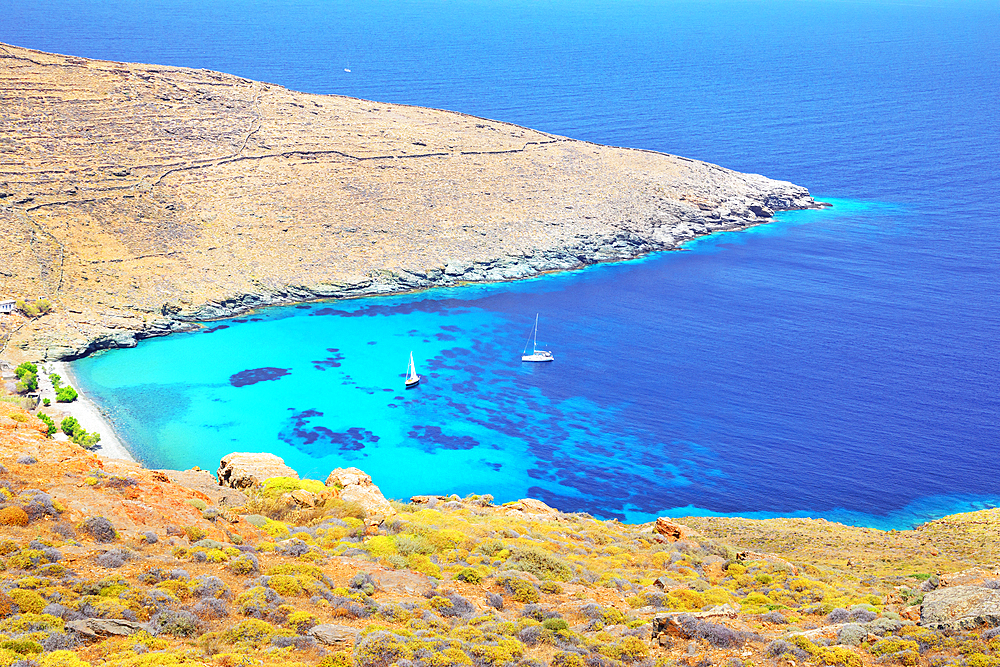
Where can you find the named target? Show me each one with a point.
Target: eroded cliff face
(140, 198)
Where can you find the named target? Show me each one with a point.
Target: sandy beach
(85, 411)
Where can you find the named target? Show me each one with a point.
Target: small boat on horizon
(412, 379)
(536, 354)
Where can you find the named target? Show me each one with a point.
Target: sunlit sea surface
(839, 363)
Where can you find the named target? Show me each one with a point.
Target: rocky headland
(141, 199)
(104, 562)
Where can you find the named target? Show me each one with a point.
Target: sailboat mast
(534, 344)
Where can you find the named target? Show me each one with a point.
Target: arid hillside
(137, 198)
(103, 562)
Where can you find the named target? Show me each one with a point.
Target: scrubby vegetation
(460, 583)
(27, 377)
(71, 427)
(33, 308)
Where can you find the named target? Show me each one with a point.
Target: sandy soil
(85, 411)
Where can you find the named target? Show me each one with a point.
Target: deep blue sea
(839, 363)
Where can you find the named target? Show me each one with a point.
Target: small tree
(28, 382)
(68, 425)
(87, 440)
(26, 367)
(56, 380)
(48, 422)
(66, 394)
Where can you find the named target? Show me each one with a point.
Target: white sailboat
(536, 354)
(412, 379)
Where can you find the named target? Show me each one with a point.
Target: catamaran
(412, 379)
(536, 354)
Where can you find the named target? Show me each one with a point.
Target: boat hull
(410, 384)
(537, 357)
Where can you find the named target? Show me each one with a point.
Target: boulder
(91, 628)
(531, 508)
(334, 635)
(244, 470)
(671, 530)
(371, 500)
(356, 487)
(960, 608)
(342, 477)
(304, 498)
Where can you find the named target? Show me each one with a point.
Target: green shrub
(47, 402)
(28, 382)
(22, 646)
(407, 545)
(65, 394)
(30, 602)
(33, 308)
(69, 425)
(55, 380)
(381, 649)
(540, 563)
(195, 533)
(301, 621)
(491, 547)
(555, 624)
(285, 585)
(521, 590)
(275, 486)
(87, 440)
(253, 631)
(469, 576)
(568, 659)
(49, 422)
(24, 369)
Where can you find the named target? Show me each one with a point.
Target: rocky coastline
(585, 252)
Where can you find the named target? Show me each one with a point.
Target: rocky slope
(104, 562)
(141, 198)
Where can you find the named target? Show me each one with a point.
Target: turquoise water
(839, 363)
(641, 413)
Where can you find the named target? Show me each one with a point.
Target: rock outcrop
(165, 196)
(245, 470)
(355, 486)
(531, 508)
(961, 608)
(332, 634)
(671, 530)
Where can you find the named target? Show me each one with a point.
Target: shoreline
(620, 247)
(89, 415)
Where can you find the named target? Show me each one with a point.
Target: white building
(6, 306)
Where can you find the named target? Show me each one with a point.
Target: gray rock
(332, 635)
(404, 583)
(960, 607)
(102, 627)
